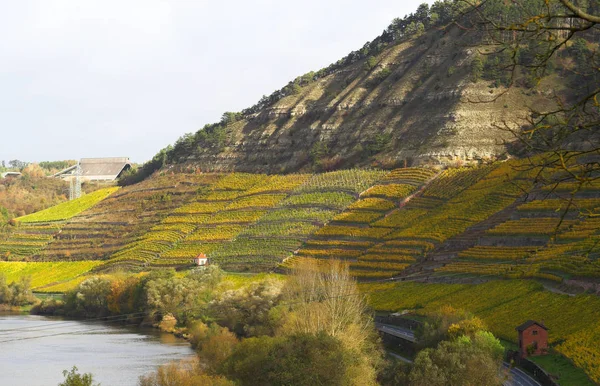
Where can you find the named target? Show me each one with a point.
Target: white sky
(87, 78)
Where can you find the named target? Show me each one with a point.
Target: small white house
(201, 260)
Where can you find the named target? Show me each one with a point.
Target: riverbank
(16, 309)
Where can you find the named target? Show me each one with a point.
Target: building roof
(530, 323)
(109, 167)
(98, 168)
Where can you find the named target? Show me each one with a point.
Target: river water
(34, 350)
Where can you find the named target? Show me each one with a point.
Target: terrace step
(470, 238)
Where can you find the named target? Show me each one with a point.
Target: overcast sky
(86, 78)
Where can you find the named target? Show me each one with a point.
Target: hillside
(411, 106)
(459, 224)
(386, 160)
(444, 228)
(412, 96)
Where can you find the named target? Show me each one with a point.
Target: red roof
(530, 323)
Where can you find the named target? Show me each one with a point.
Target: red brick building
(533, 339)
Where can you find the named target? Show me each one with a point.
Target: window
(534, 332)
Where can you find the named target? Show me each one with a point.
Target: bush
(247, 311)
(213, 343)
(17, 293)
(73, 378)
(370, 63)
(303, 359)
(185, 373)
(90, 298)
(378, 144)
(49, 307)
(476, 68)
(464, 361)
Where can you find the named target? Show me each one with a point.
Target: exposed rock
(431, 115)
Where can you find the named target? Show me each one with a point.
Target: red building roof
(530, 323)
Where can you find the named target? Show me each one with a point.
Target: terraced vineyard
(122, 217)
(34, 232)
(397, 226)
(550, 238)
(206, 224)
(26, 240)
(282, 230)
(380, 221)
(358, 234)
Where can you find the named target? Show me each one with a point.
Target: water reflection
(34, 350)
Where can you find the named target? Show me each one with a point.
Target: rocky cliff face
(416, 105)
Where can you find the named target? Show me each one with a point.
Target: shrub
(73, 378)
(476, 68)
(302, 359)
(17, 293)
(184, 373)
(464, 361)
(90, 298)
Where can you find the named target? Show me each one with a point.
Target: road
(399, 332)
(518, 376)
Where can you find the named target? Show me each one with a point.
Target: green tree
(303, 359)
(20, 292)
(422, 14)
(17, 293)
(5, 292)
(74, 378)
(464, 361)
(90, 298)
(476, 68)
(214, 344)
(370, 63)
(446, 323)
(229, 117)
(318, 151)
(183, 298)
(247, 311)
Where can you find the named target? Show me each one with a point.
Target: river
(34, 350)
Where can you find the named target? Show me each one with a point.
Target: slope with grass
(68, 209)
(43, 274)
